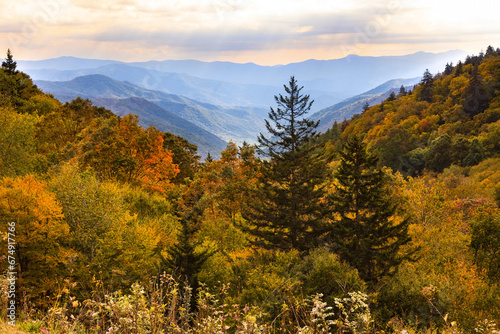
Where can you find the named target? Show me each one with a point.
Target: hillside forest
(389, 222)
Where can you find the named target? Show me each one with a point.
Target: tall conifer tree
(448, 69)
(459, 69)
(288, 214)
(402, 91)
(9, 65)
(364, 235)
(427, 83)
(184, 260)
(476, 96)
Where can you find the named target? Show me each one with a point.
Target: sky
(266, 32)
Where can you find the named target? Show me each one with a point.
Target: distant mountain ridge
(94, 85)
(203, 90)
(180, 115)
(311, 70)
(152, 115)
(65, 63)
(225, 83)
(215, 102)
(222, 123)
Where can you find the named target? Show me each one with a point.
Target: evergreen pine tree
(426, 85)
(402, 90)
(476, 96)
(365, 236)
(288, 214)
(366, 106)
(448, 69)
(9, 65)
(459, 69)
(490, 51)
(209, 158)
(184, 261)
(391, 97)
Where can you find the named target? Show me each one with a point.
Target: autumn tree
(289, 213)
(485, 244)
(119, 149)
(112, 226)
(236, 171)
(438, 154)
(60, 125)
(42, 249)
(224, 188)
(365, 233)
(184, 155)
(89, 209)
(41, 105)
(392, 147)
(17, 142)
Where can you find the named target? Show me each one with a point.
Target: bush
(322, 272)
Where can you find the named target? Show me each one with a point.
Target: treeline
(387, 222)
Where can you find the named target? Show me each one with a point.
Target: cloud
(307, 29)
(206, 29)
(12, 28)
(210, 39)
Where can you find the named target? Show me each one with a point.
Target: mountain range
(211, 103)
(208, 126)
(234, 84)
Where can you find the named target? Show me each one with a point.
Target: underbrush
(167, 306)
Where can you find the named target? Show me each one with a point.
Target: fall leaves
(78, 182)
(97, 197)
(41, 232)
(119, 149)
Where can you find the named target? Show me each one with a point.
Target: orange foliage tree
(119, 149)
(220, 191)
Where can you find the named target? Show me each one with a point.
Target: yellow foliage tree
(41, 235)
(17, 144)
(114, 228)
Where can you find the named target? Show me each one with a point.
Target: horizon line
(243, 63)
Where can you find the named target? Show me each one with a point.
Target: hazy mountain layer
(224, 83)
(203, 90)
(228, 123)
(151, 114)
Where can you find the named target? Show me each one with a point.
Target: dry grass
(5, 328)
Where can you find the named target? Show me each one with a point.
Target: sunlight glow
(263, 31)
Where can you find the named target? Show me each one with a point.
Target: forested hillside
(346, 109)
(387, 223)
(449, 119)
